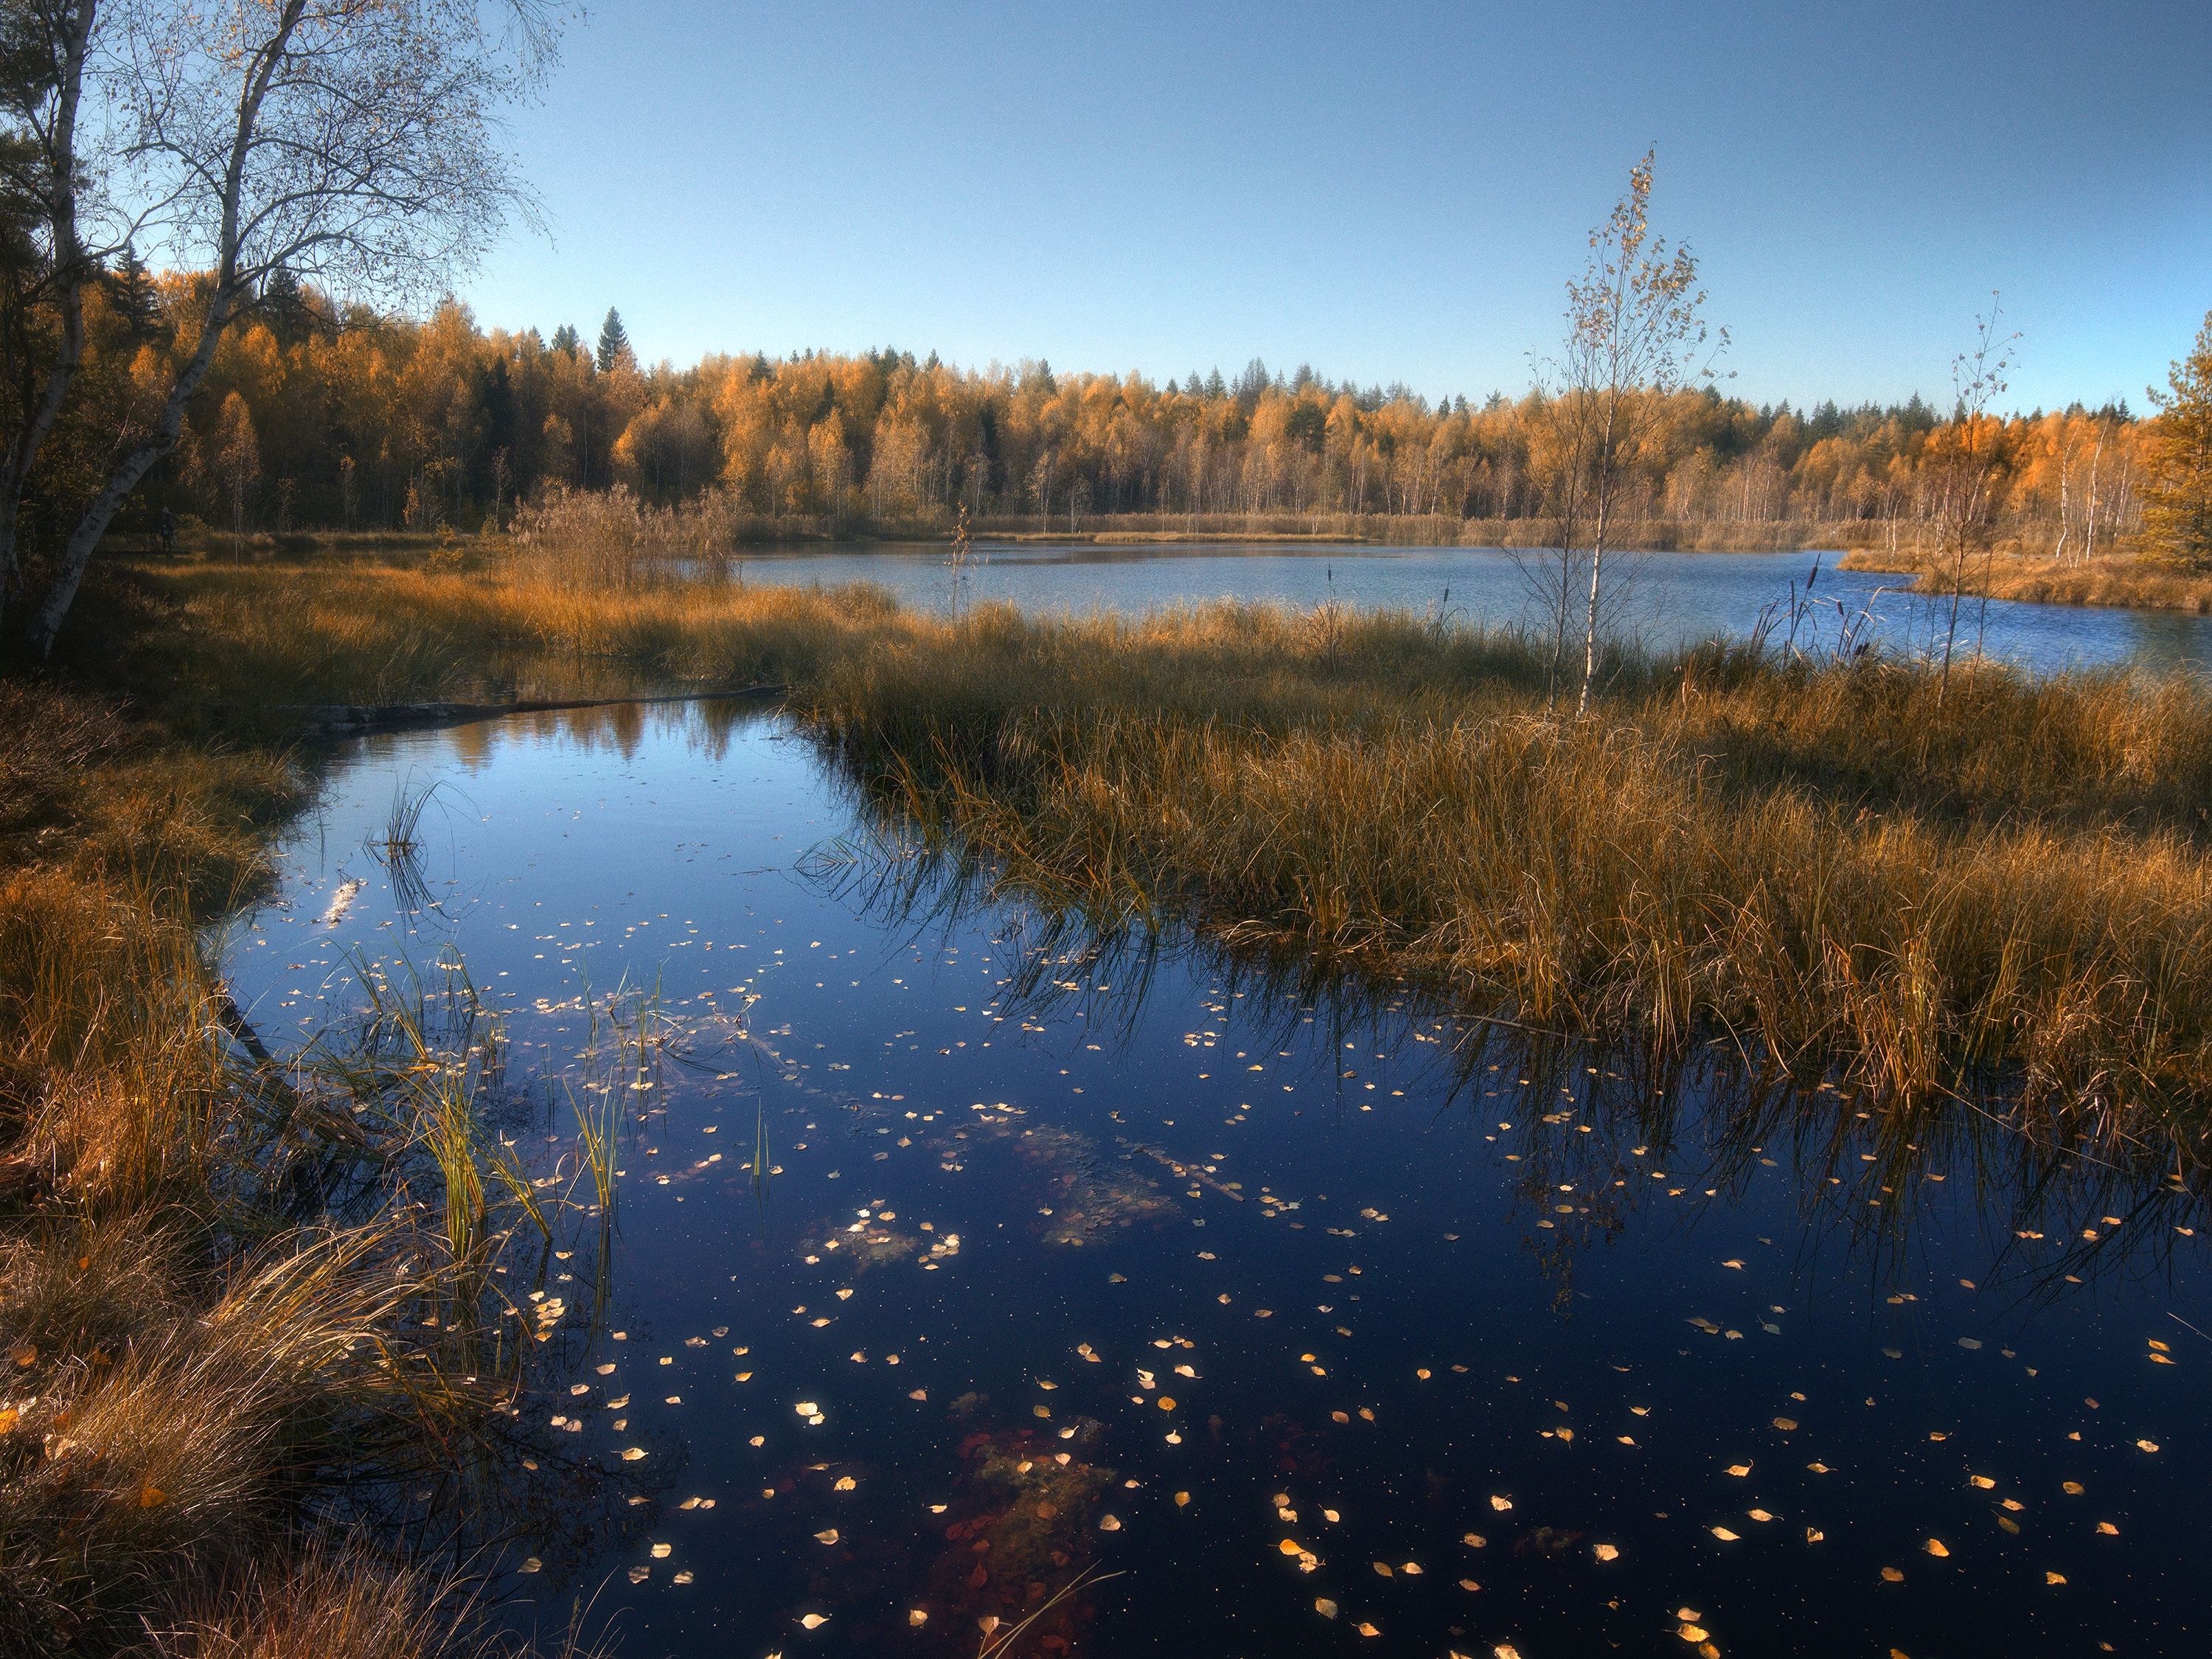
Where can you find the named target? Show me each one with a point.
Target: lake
(1095, 1298)
(1668, 599)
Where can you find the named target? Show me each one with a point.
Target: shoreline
(2119, 583)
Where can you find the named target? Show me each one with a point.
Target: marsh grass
(214, 1271)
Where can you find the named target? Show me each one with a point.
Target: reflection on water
(1120, 1297)
(1669, 599)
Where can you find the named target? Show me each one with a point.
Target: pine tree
(565, 339)
(2178, 504)
(614, 343)
(130, 290)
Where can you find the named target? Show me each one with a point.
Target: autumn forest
(315, 417)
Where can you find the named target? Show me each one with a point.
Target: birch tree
(44, 47)
(353, 143)
(1636, 332)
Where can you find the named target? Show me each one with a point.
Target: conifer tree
(2178, 505)
(614, 343)
(566, 338)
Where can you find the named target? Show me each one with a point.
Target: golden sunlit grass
(191, 1342)
(2119, 579)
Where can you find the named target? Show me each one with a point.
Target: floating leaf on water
(845, 1483)
(827, 1536)
(1292, 1547)
(683, 1577)
(1724, 1534)
(1787, 1425)
(917, 1617)
(2108, 1529)
(1383, 1567)
(1813, 1534)
(1365, 1629)
(660, 1552)
(2147, 1445)
(1891, 1576)
(531, 1565)
(1505, 1650)
(631, 1455)
(1739, 1470)
(1108, 1523)
(1605, 1552)
(639, 1575)
(1981, 1480)
(1936, 1547)
(1969, 1342)
(814, 1621)
(917, 1393)
(1692, 1633)
(1182, 1500)
(1324, 1607)
(2072, 1488)
(1500, 1504)
(1473, 1540)
(2054, 1577)
(1329, 1516)
(1760, 1516)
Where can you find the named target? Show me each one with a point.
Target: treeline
(315, 417)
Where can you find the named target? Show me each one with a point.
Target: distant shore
(2120, 580)
(198, 539)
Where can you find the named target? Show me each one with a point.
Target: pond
(1095, 1299)
(1666, 599)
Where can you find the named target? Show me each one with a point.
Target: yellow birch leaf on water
(639, 1575)
(1505, 1650)
(1474, 1541)
(1167, 1402)
(532, 1564)
(1981, 1480)
(1739, 1470)
(845, 1483)
(1759, 1515)
(1891, 1576)
(1329, 1516)
(1605, 1552)
(828, 1537)
(1108, 1523)
(1182, 1500)
(2054, 1577)
(1785, 1424)
(2147, 1445)
(917, 1393)
(1324, 1607)
(660, 1552)
(1292, 1547)
(632, 1454)
(1501, 1505)
(1365, 1629)
(8, 1418)
(1813, 1534)
(1413, 1567)
(814, 1621)
(2072, 1488)
(1383, 1567)
(1693, 1633)
(1934, 1546)
(1724, 1534)
(151, 1497)
(1469, 1585)
(917, 1617)
(683, 1577)
(2108, 1529)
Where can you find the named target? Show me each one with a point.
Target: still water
(1198, 1315)
(1666, 599)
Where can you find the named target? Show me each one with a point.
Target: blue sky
(1387, 192)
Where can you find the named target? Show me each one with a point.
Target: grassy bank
(2009, 886)
(2137, 583)
(220, 1376)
